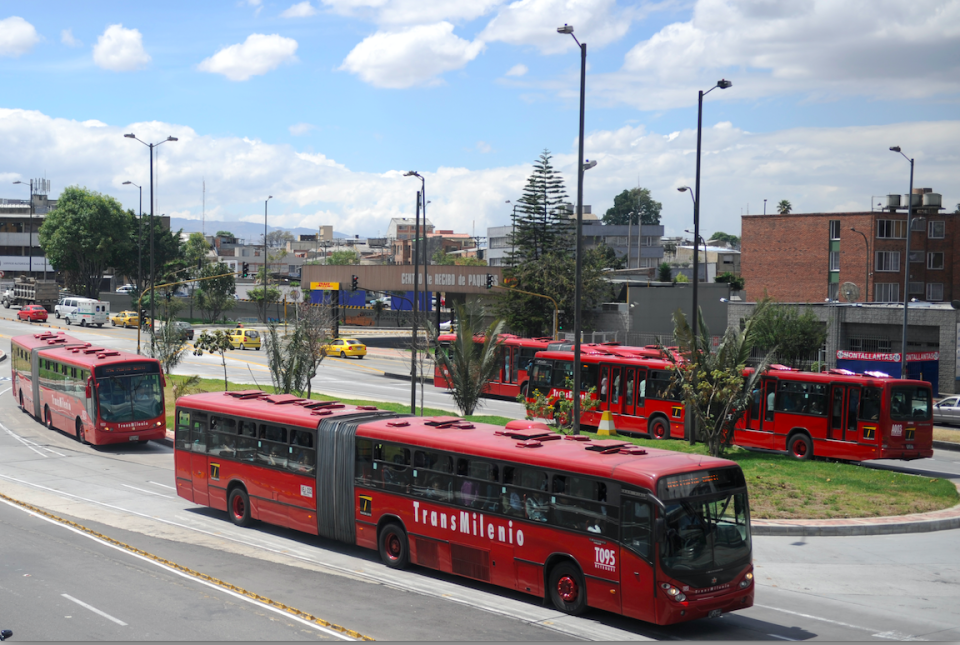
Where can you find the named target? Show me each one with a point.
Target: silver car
(947, 411)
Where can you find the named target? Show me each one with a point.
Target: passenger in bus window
(468, 488)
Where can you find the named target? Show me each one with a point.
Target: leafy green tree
(168, 346)
(341, 258)
(796, 335)
(680, 277)
(442, 258)
(632, 205)
(543, 222)
(720, 236)
(735, 281)
(195, 249)
(293, 359)
(225, 234)
(664, 272)
(84, 235)
(257, 295)
(215, 296)
(784, 207)
(469, 366)
(214, 342)
(712, 382)
(279, 238)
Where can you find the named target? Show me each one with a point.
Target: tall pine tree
(543, 223)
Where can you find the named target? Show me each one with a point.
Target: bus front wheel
(238, 507)
(659, 429)
(394, 549)
(567, 590)
(799, 447)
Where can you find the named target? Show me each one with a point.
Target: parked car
(127, 288)
(184, 328)
(125, 319)
(32, 313)
(947, 410)
(245, 339)
(344, 347)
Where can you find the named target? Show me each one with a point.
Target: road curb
(946, 445)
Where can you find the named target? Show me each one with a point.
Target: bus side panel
(183, 476)
(363, 512)
(297, 494)
(637, 582)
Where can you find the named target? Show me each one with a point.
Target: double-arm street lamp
(581, 167)
(906, 268)
(153, 273)
(139, 238)
(415, 251)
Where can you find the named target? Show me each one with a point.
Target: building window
(935, 260)
(886, 292)
(916, 256)
(647, 263)
(917, 224)
(650, 240)
(834, 260)
(834, 229)
(935, 291)
(892, 228)
(870, 344)
(833, 291)
(937, 230)
(916, 287)
(888, 261)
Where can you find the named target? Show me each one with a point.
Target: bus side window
(636, 527)
(302, 456)
(198, 433)
(363, 470)
(182, 432)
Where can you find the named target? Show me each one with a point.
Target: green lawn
(780, 486)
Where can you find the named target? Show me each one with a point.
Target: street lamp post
(414, 250)
(139, 239)
(153, 272)
(866, 274)
(722, 84)
(266, 265)
(906, 268)
(30, 232)
(513, 231)
(568, 29)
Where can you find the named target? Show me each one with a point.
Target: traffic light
(489, 281)
(354, 283)
(246, 270)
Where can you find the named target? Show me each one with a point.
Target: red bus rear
(652, 534)
(99, 395)
(635, 390)
(840, 415)
(515, 355)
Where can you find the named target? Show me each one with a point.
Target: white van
(83, 311)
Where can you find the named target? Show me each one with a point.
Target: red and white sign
(890, 358)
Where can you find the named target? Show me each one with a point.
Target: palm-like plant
(784, 207)
(469, 366)
(714, 384)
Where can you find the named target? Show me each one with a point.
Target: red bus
(99, 395)
(653, 534)
(514, 358)
(840, 415)
(635, 390)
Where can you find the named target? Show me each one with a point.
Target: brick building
(854, 257)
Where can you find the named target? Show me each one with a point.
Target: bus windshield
(137, 397)
(910, 403)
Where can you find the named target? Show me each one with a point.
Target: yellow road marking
(202, 576)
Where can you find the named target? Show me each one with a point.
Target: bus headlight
(673, 592)
(747, 581)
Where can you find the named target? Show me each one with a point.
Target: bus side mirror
(163, 380)
(659, 530)
(89, 389)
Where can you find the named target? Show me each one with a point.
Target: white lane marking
(181, 574)
(95, 610)
(898, 636)
(889, 635)
(159, 484)
(148, 492)
(783, 638)
(32, 445)
(5, 391)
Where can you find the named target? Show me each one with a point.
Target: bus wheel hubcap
(238, 506)
(393, 547)
(567, 589)
(799, 448)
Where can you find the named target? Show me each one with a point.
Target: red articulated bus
(840, 415)
(635, 390)
(515, 356)
(653, 534)
(99, 395)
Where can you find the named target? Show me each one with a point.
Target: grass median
(780, 487)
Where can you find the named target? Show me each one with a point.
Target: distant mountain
(250, 232)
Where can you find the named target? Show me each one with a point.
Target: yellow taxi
(344, 347)
(125, 319)
(245, 339)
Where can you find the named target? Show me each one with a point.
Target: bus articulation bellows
(656, 535)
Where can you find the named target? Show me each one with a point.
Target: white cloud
(877, 48)
(411, 12)
(816, 169)
(300, 10)
(484, 147)
(120, 50)
(256, 56)
(300, 129)
(66, 37)
(517, 70)
(17, 36)
(409, 57)
(535, 22)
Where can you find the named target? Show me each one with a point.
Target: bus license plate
(909, 446)
(714, 613)
(134, 438)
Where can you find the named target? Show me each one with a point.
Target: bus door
(604, 389)
(198, 458)
(637, 580)
(629, 390)
(759, 422)
(838, 419)
(510, 364)
(615, 389)
(853, 413)
(844, 412)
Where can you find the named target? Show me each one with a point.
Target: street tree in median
(294, 358)
(215, 342)
(469, 366)
(169, 345)
(215, 296)
(84, 235)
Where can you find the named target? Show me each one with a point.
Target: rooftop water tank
(932, 199)
(912, 200)
(893, 201)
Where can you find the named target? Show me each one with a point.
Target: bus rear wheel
(238, 507)
(659, 429)
(47, 417)
(81, 435)
(394, 549)
(567, 591)
(799, 447)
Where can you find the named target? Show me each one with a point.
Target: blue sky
(324, 103)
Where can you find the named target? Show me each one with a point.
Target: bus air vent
(633, 450)
(398, 424)
(328, 409)
(529, 443)
(523, 435)
(112, 352)
(576, 437)
(93, 350)
(45, 335)
(57, 340)
(606, 446)
(526, 424)
(322, 413)
(440, 421)
(777, 367)
(876, 374)
(282, 399)
(841, 372)
(366, 407)
(316, 405)
(246, 394)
